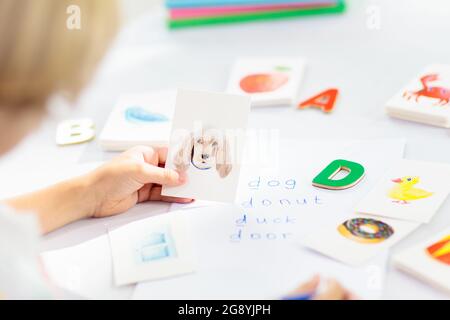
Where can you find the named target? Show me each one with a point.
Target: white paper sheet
(258, 269)
(250, 267)
(85, 269)
(250, 251)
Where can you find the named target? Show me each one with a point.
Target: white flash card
(207, 144)
(269, 81)
(141, 119)
(425, 99)
(428, 261)
(153, 248)
(411, 190)
(357, 238)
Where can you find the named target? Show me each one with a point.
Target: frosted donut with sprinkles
(365, 230)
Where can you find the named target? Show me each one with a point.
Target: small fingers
(144, 193)
(333, 291)
(148, 154)
(155, 195)
(147, 173)
(306, 288)
(162, 154)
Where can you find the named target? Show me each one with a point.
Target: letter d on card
(325, 178)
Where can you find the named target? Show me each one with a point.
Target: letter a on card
(324, 100)
(325, 178)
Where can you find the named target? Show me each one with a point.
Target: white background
(367, 65)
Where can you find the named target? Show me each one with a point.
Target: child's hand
(134, 176)
(332, 291)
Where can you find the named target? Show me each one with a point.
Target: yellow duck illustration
(405, 191)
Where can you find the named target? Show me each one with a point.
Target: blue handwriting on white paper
(271, 208)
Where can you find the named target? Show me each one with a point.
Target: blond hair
(41, 54)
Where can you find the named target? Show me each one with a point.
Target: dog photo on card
(139, 119)
(206, 144)
(357, 239)
(425, 99)
(269, 81)
(411, 190)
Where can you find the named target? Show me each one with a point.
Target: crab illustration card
(139, 119)
(428, 261)
(206, 144)
(356, 239)
(426, 99)
(411, 190)
(269, 81)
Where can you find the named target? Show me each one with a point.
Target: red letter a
(324, 100)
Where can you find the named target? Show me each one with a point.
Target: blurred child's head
(42, 53)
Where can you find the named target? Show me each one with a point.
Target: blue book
(218, 3)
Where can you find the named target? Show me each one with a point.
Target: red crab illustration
(443, 94)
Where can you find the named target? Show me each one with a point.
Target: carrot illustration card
(356, 239)
(269, 81)
(206, 144)
(411, 190)
(139, 119)
(425, 99)
(428, 261)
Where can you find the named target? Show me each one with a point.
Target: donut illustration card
(356, 239)
(411, 190)
(425, 99)
(139, 119)
(269, 81)
(428, 261)
(206, 144)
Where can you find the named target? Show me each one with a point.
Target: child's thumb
(162, 176)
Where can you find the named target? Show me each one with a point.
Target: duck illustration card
(139, 119)
(428, 261)
(206, 144)
(153, 248)
(425, 99)
(411, 190)
(356, 239)
(269, 81)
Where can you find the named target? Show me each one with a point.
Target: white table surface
(368, 66)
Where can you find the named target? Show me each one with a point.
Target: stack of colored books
(189, 13)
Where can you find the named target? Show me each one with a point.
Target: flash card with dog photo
(206, 144)
(269, 81)
(411, 190)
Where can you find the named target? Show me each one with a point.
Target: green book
(254, 16)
